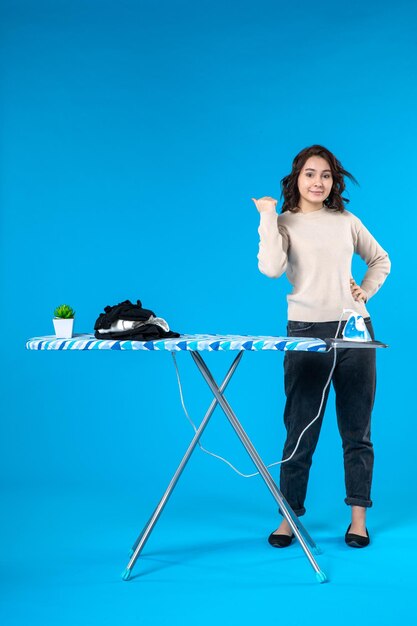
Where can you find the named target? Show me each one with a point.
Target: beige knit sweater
(315, 251)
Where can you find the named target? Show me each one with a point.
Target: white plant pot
(63, 328)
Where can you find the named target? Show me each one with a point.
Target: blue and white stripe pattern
(198, 343)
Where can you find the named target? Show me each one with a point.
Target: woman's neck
(309, 207)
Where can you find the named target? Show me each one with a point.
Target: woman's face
(315, 181)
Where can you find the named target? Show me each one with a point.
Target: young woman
(313, 240)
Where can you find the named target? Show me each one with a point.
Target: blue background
(133, 135)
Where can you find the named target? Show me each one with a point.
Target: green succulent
(64, 311)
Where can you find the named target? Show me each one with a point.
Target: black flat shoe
(280, 541)
(356, 541)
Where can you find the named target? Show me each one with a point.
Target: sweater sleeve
(273, 245)
(376, 258)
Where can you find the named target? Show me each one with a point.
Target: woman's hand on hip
(358, 294)
(265, 204)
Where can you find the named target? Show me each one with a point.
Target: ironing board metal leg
(291, 512)
(257, 461)
(301, 527)
(144, 535)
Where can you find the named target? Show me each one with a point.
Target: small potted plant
(63, 321)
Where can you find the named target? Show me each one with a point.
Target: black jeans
(354, 382)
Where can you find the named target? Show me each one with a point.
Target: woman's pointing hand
(265, 204)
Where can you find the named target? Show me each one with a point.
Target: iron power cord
(217, 456)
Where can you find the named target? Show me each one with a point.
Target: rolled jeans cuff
(298, 512)
(358, 502)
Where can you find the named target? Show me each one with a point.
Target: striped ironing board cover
(198, 343)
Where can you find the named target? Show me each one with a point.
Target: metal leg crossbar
(306, 542)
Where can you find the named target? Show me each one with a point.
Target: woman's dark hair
(289, 187)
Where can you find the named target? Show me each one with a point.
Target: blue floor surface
(206, 562)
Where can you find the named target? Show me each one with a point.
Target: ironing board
(195, 344)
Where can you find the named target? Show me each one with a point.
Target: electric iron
(355, 328)
(355, 333)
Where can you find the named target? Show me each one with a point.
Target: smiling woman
(315, 182)
(315, 169)
(313, 241)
